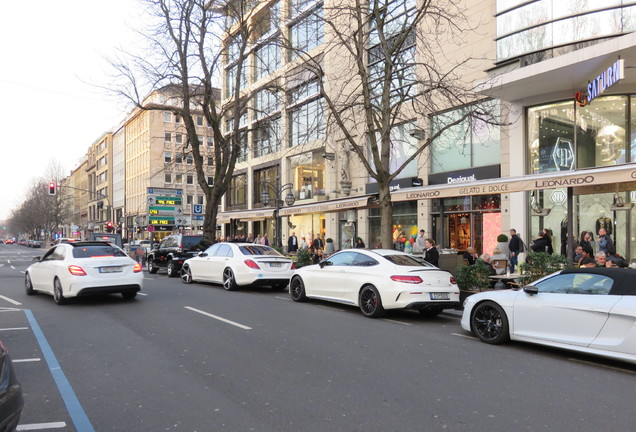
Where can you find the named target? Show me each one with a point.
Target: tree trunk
(386, 216)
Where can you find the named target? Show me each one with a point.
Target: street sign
(161, 220)
(165, 191)
(165, 210)
(150, 228)
(197, 209)
(197, 217)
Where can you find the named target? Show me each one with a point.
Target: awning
(225, 217)
(595, 180)
(327, 206)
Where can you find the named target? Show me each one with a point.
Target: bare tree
(183, 63)
(386, 65)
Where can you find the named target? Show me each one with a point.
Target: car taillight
(137, 268)
(76, 270)
(453, 281)
(251, 264)
(293, 267)
(407, 279)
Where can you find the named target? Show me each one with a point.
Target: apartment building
(99, 163)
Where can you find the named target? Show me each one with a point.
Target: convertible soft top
(624, 278)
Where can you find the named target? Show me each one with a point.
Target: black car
(173, 251)
(11, 401)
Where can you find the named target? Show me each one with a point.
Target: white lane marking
(17, 303)
(8, 261)
(283, 298)
(143, 294)
(6, 309)
(14, 328)
(40, 426)
(13, 267)
(397, 322)
(27, 360)
(591, 363)
(22, 271)
(219, 318)
(464, 336)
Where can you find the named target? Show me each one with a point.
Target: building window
(210, 181)
(188, 199)
(167, 178)
(210, 141)
(210, 161)
(270, 175)
(167, 157)
(307, 123)
(189, 179)
(178, 178)
(267, 102)
(200, 199)
(167, 137)
(167, 116)
(307, 32)
(564, 136)
(178, 158)
(267, 137)
(237, 192)
(307, 174)
(470, 143)
(199, 120)
(267, 58)
(178, 138)
(178, 119)
(188, 159)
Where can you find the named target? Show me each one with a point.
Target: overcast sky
(50, 51)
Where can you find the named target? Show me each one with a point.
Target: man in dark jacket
(292, 243)
(541, 243)
(516, 247)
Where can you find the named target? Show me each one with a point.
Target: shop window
(564, 136)
(404, 225)
(307, 172)
(237, 192)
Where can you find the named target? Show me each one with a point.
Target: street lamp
(278, 191)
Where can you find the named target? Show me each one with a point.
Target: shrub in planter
(303, 258)
(540, 264)
(473, 277)
(329, 246)
(501, 238)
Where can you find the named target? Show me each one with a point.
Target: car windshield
(97, 252)
(258, 250)
(407, 260)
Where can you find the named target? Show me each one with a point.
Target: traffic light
(109, 227)
(52, 188)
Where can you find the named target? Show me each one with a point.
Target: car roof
(624, 278)
(88, 243)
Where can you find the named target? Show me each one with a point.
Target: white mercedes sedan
(84, 268)
(376, 280)
(239, 264)
(591, 310)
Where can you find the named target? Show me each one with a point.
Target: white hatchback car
(84, 268)
(376, 280)
(239, 264)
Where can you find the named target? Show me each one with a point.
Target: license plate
(275, 264)
(440, 296)
(110, 269)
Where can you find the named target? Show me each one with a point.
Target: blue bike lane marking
(73, 405)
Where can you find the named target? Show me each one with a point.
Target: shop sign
(563, 155)
(558, 197)
(606, 79)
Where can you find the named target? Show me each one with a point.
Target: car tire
(229, 282)
(186, 275)
(152, 268)
(129, 295)
(29, 285)
(489, 323)
(430, 313)
(58, 293)
(370, 302)
(172, 269)
(297, 289)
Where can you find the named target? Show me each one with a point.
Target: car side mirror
(37, 259)
(532, 290)
(155, 246)
(203, 254)
(324, 263)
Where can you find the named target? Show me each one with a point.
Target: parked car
(11, 400)
(239, 264)
(65, 240)
(9, 241)
(84, 268)
(113, 238)
(376, 280)
(173, 251)
(591, 310)
(36, 244)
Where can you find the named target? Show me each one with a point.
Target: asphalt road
(198, 358)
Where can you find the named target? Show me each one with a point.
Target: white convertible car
(591, 310)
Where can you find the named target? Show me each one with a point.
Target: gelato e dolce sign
(606, 79)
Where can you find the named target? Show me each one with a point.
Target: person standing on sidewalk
(516, 247)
